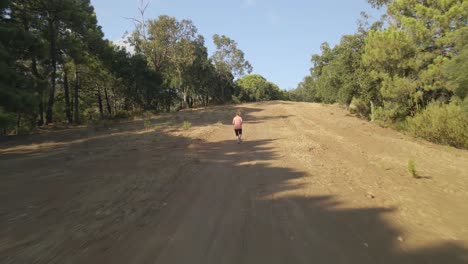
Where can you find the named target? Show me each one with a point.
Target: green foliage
(228, 58)
(412, 168)
(359, 107)
(189, 76)
(337, 73)
(23, 130)
(442, 123)
(186, 125)
(180, 44)
(384, 115)
(388, 52)
(255, 87)
(457, 68)
(228, 62)
(17, 86)
(7, 122)
(306, 91)
(165, 35)
(235, 100)
(378, 3)
(122, 114)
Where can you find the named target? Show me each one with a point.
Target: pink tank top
(237, 122)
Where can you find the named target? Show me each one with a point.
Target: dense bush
(359, 107)
(235, 100)
(254, 87)
(442, 123)
(7, 122)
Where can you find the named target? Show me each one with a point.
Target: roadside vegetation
(408, 70)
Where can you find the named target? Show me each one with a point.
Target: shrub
(138, 112)
(235, 100)
(380, 117)
(122, 114)
(359, 107)
(390, 113)
(147, 123)
(412, 168)
(90, 115)
(101, 124)
(23, 131)
(442, 123)
(7, 121)
(186, 125)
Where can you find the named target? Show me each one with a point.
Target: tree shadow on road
(283, 224)
(24, 144)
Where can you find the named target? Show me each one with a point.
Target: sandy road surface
(309, 184)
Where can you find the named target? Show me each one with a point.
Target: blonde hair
(238, 112)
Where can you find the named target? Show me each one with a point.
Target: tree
(169, 45)
(255, 87)
(228, 58)
(455, 70)
(389, 58)
(408, 58)
(229, 61)
(335, 75)
(305, 91)
(198, 76)
(59, 25)
(20, 80)
(379, 3)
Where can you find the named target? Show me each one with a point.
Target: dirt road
(309, 184)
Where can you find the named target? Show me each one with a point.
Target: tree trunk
(40, 122)
(184, 92)
(168, 107)
(50, 104)
(18, 123)
(115, 101)
(67, 96)
(147, 105)
(99, 97)
(77, 101)
(72, 103)
(222, 88)
(184, 100)
(109, 109)
(116, 107)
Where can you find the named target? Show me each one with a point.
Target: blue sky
(278, 37)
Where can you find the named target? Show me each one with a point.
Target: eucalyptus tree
(229, 60)
(169, 45)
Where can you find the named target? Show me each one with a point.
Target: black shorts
(238, 131)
